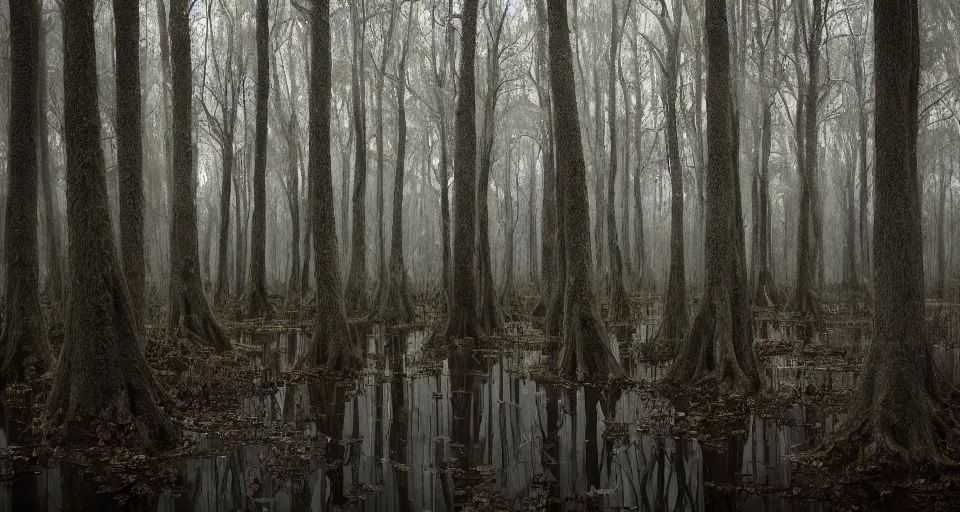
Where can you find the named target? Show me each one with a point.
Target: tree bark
(356, 292)
(675, 318)
(130, 149)
(395, 305)
(103, 381)
(24, 349)
(189, 311)
(48, 179)
(331, 344)
(258, 303)
(619, 303)
(462, 320)
(902, 409)
(719, 345)
(585, 351)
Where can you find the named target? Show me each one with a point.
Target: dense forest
(479, 255)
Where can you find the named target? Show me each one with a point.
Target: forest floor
(660, 446)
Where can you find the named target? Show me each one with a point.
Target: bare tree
(189, 311)
(462, 318)
(331, 344)
(258, 303)
(902, 408)
(356, 293)
(395, 305)
(719, 345)
(586, 348)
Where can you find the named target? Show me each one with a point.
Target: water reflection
(410, 435)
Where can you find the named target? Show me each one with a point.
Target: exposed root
(192, 319)
(586, 353)
(891, 425)
(707, 354)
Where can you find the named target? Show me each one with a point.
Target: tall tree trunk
(331, 344)
(586, 351)
(24, 349)
(356, 292)
(719, 345)
(805, 300)
(103, 381)
(258, 303)
(126, 15)
(675, 319)
(462, 320)
(488, 311)
(381, 76)
(48, 179)
(189, 311)
(902, 409)
(619, 303)
(395, 304)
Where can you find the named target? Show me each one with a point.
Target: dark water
(409, 436)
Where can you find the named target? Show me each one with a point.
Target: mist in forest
(479, 254)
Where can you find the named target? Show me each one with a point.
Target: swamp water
(470, 431)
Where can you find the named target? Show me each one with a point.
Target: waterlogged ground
(481, 430)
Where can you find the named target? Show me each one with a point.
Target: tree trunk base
(898, 422)
(192, 319)
(258, 304)
(707, 353)
(461, 324)
(489, 315)
(586, 352)
(674, 324)
(395, 305)
(24, 349)
(805, 302)
(768, 294)
(355, 294)
(104, 386)
(332, 346)
(619, 302)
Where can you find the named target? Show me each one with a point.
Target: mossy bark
(462, 320)
(719, 345)
(586, 352)
(332, 344)
(103, 385)
(902, 410)
(24, 349)
(190, 313)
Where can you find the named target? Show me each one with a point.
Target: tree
(103, 378)
(395, 305)
(462, 321)
(719, 345)
(126, 14)
(189, 311)
(488, 312)
(24, 350)
(619, 303)
(356, 293)
(331, 344)
(675, 319)
(586, 348)
(902, 407)
(805, 299)
(258, 304)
